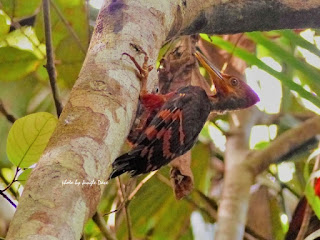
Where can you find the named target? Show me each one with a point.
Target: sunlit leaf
(4, 23)
(15, 64)
(28, 137)
(20, 8)
(25, 38)
(261, 145)
(8, 174)
(279, 228)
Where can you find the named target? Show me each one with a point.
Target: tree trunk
(97, 118)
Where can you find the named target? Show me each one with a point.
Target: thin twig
(100, 222)
(125, 206)
(88, 19)
(9, 116)
(50, 59)
(225, 65)
(8, 199)
(15, 194)
(141, 184)
(132, 194)
(68, 26)
(13, 180)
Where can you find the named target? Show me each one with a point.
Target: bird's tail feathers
(124, 163)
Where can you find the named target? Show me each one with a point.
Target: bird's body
(171, 133)
(172, 122)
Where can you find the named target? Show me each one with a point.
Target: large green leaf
(253, 60)
(28, 137)
(4, 23)
(20, 98)
(20, 8)
(16, 64)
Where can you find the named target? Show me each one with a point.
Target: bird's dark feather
(173, 131)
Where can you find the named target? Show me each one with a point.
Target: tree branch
(94, 124)
(234, 203)
(291, 139)
(225, 17)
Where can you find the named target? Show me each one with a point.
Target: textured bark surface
(93, 125)
(227, 16)
(102, 104)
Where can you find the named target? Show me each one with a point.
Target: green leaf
(310, 72)
(28, 137)
(200, 166)
(4, 23)
(313, 199)
(20, 8)
(253, 60)
(16, 64)
(300, 41)
(261, 145)
(23, 177)
(71, 62)
(155, 202)
(26, 39)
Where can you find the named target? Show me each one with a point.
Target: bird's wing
(166, 137)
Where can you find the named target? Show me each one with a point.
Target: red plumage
(171, 133)
(317, 187)
(171, 123)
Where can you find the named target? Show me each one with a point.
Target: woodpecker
(174, 120)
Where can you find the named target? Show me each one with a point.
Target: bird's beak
(215, 75)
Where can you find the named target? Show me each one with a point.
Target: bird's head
(231, 93)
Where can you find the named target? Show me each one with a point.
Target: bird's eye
(234, 82)
(156, 90)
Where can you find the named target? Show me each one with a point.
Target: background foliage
(285, 61)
